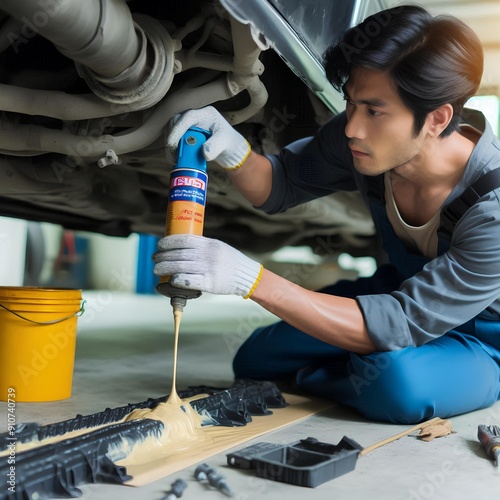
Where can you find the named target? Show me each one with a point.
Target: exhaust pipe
(109, 47)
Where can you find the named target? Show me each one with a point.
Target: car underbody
(87, 91)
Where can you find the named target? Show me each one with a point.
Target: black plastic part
(230, 407)
(307, 462)
(56, 470)
(235, 406)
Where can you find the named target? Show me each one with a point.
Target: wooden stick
(397, 436)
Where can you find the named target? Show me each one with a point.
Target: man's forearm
(253, 179)
(332, 319)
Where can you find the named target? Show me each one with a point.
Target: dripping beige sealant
(174, 397)
(182, 424)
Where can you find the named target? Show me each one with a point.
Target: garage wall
(109, 263)
(87, 260)
(112, 263)
(12, 251)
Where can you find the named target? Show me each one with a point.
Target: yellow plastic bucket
(37, 342)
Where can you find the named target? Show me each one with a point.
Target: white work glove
(208, 265)
(225, 146)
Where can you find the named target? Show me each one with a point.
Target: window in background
(489, 105)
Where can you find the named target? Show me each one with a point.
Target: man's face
(379, 125)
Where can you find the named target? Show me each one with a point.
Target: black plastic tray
(307, 462)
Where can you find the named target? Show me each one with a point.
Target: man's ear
(439, 119)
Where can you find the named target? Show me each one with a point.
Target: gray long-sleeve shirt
(451, 289)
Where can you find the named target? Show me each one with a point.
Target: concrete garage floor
(124, 355)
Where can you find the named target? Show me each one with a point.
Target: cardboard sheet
(223, 438)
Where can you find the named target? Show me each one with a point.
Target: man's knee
(386, 388)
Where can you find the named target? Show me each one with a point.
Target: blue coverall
(422, 372)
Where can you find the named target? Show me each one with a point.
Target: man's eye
(373, 112)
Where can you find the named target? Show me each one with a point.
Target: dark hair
(431, 60)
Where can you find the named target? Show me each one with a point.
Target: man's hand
(207, 265)
(225, 146)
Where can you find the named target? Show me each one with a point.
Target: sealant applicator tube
(186, 203)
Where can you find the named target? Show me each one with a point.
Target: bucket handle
(53, 322)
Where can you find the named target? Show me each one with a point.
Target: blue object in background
(146, 281)
(71, 267)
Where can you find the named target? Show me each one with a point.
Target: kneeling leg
(448, 376)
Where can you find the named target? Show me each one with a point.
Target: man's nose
(355, 127)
